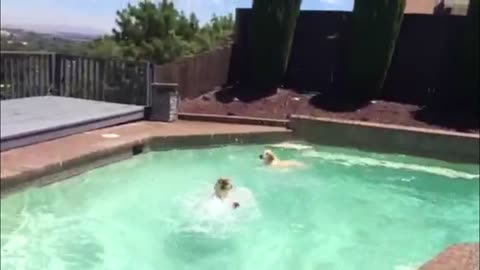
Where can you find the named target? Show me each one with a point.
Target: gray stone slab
(34, 115)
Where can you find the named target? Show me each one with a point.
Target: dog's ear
(269, 153)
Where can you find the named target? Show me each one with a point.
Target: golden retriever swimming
(222, 188)
(270, 159)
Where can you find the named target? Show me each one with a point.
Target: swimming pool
(347, 210)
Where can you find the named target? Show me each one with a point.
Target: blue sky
(99, 15)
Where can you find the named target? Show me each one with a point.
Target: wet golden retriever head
(222, 187)
(268, 157)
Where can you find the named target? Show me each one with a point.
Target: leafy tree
(104, 47)
(157, 32)
(218, 32)
(160, 33)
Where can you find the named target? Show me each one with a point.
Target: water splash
(201, 212)
(290, 145)
(348, 160)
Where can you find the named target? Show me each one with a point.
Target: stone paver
(457, 257)
(23, 164)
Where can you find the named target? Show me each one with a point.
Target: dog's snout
(261, 156)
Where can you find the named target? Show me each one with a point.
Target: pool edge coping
(386, 126)
(448, 146)
(233, 119)
(63, 169)
(407, 134)
(217, 118)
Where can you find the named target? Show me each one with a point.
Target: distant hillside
(74, 36)
(61, 29)
(16, 39)
(57, 34)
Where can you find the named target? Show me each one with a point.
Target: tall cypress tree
(470, 58)
(274, 23)
(375, 27)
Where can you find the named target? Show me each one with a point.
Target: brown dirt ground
(286, 102)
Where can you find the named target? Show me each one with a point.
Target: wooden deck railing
(25, 74)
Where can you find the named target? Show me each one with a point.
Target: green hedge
(375, 27)
(274, 23)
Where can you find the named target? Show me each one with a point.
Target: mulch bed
(285, 103)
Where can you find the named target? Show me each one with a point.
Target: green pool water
(346, 210)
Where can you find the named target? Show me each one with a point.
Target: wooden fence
(198, 74)
(25, 74)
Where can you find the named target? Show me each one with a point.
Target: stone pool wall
(448, 146)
